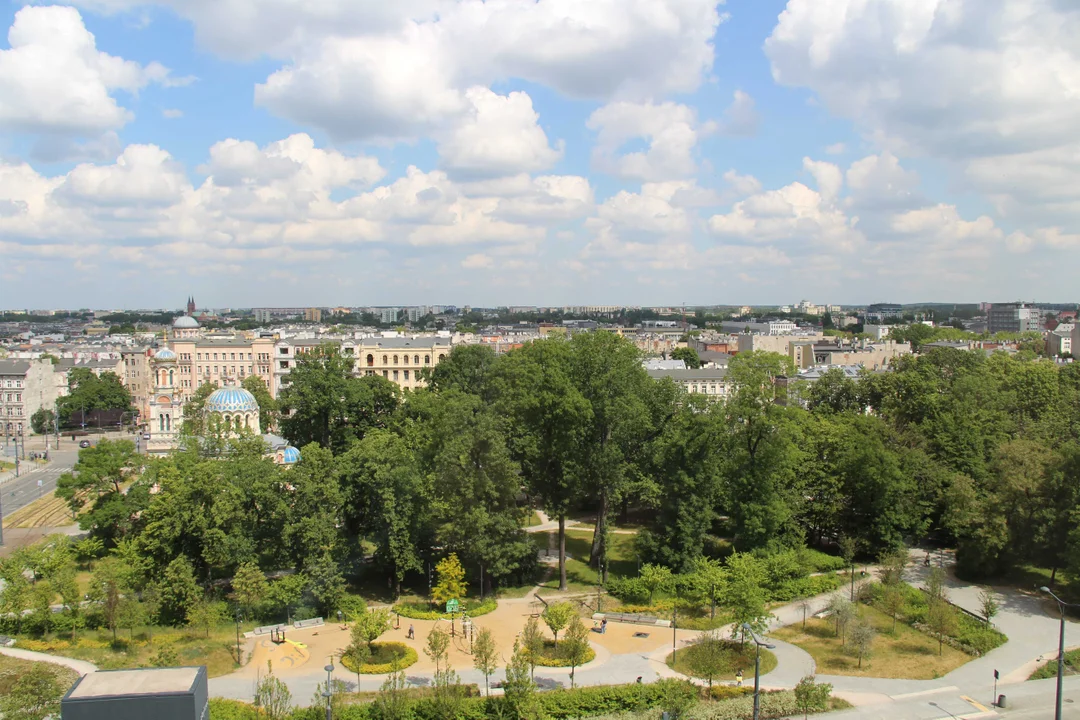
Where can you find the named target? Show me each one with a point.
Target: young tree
(575, 645)
(556, 616)
(892, 566)
(41, 597)
(988, 602)
(88, 549)
(392, 703)
(532, 643)
(451, 582)
(132, 615)
(655, 577)
(108, 586)
(841, 610)
(437, 643)
(272, 696)
(35, 695)
(179, 591)
(707, 657)
(941, 618)
(892, 601)
(485, 655)
(205, 615)
(849, 546)
(745, 594)
(807, 608)
(519, 688)
(326, 583)
(150, 598)
(268, 406)
(68, 589)
(286, 591)
(712, 576)
(812, 696)
(862, 638)
(42, 421)
(16, 596)
(935, 585)
(250, 588)
(366, 630)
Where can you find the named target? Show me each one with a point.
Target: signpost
(453, 605)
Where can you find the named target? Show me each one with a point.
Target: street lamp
(328, 693)
(757, 666)
(239, 657)
(1061, 646)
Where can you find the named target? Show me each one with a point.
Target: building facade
(400, 360)
(1014, 318)
(26, 386)
(712, 382)
(137, 379)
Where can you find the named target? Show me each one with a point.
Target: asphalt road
(16, 493)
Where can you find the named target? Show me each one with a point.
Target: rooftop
(404, 343)
(147, 681)
(14, 367)
(702, 374)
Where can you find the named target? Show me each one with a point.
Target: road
(23, 490)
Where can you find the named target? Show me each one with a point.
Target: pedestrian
(603, 626)
(738, 678)
(412, 633)
(638, 679)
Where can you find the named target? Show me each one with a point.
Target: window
(416, 359)
(406, 359)
(215, 369)
(383, 359)
(441, 356)
(406, 373)
(215, 356)
(232, 356)
(385, 373)
(395, 376)
(395, 360)
(284, 364)
(427, 359)
(370, 360)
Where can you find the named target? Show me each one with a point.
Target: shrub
(777, 704)
(423, 611)
(817, 561)
(552, 657)
(726, 692)
(629, 590)
(383, 659)
(221, 709)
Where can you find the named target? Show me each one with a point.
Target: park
(552, 533)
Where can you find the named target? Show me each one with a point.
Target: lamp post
(239, 658)
(329, 693)
(1061, 646)
(757, 666)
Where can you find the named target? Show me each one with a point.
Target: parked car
(84, 443)
(146, 436)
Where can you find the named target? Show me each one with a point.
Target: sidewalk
(78, 666)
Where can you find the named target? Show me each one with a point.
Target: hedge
(778, 704)
(417, 611)
(409, 657)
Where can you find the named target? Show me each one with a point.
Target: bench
(632, 618)
(267, 629)
(313, 622)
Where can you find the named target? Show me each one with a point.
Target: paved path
(78, 666)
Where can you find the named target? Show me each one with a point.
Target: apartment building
(1014, 317)
(26, 386)
(137, 378)
(711, 382)
(400, 360)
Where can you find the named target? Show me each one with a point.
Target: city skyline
(544, 153)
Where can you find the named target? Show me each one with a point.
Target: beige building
(775, 343)
(219, 360)
(400, 360)
(313, 314)
(711, 382)
(26, 386)
(137, 378)
(875, 356)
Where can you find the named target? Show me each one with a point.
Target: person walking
(412, 633)
(738, 678)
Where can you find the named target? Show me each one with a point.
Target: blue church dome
(290, 455)
(164, 354)
(231, 399)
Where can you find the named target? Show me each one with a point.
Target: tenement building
(400, 360)
(26, 386)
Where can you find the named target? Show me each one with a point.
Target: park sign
(453, 605)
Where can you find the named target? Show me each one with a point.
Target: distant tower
(191, 306)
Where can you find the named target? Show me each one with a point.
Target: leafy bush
(552, 657)
(1049, 670)
(978, 635)
(726, 692)
(385, 652)
(221, 709)
(423, 611)
(817, 561)
(607, 699)
(777, 704)
(629, 590)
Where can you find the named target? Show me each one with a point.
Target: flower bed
(382, 661)
(419, 611)
(552, 657)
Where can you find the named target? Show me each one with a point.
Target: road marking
(978, 706)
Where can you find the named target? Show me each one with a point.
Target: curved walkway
(80, 666)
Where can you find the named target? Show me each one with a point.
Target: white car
(146, 436)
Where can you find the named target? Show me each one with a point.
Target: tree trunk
(562, 551)
(1053, 575)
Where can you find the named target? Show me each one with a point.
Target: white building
(26, 386)
(711, 382)
(1059, 342)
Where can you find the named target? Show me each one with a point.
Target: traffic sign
(453, 605)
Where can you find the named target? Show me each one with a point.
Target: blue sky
(262, 152)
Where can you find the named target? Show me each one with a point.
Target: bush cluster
(552, 657)
(406, 657)
(423, 611)
(778, 704)
(972, 636)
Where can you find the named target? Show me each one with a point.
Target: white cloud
(144, 176)
(172, 113)
(993, 86)
(478, 261)
(836, 149)
(53, 78)
(880, 182)
(829, 178)
(498, 137)
(672, 131)
(741, 117)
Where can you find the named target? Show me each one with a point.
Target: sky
(538, 152)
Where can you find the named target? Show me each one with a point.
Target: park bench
(632, 618)
(313, 622)
(267, 629)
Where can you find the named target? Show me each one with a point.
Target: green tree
(272, 696)
(437, 643)
(268, 406)
(519, 689)
(98, 478)
(179, 591)
(989, 604)
(834, 392)
(466, 369)
(42, 421)
(132, 614)
(812, 696)
(70, 596)
(861, 639)
(34, 695)
(713, 577)
(194, 424)
(485, 655)
(556, 616)
(575, 645)
(392, 702)
(941, 619)
(654, 578)
(313, 518)
(892, 602)
(326, 583)
(688, 355)
(550, 417)
(205, 615)
(532, 643)
(451, 580)
(849, 546)
(366, 630)
(87, 392)
(250, 588)
(745, 593)
(285, 593)
(41, 597)
(708, 657)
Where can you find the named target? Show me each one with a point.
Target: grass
(138, 649)
(622, 557)
(907, 653)
(736, 657)
(533, 519)
(11, 669)
(1049, 670)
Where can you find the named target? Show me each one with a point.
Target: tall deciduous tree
(97, 479)
(485, 655)
(87, 391)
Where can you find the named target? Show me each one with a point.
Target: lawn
(906, 654)
(11, 669)
(736, 656)
(622, 557)
(169, 646)
(1049, 670)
